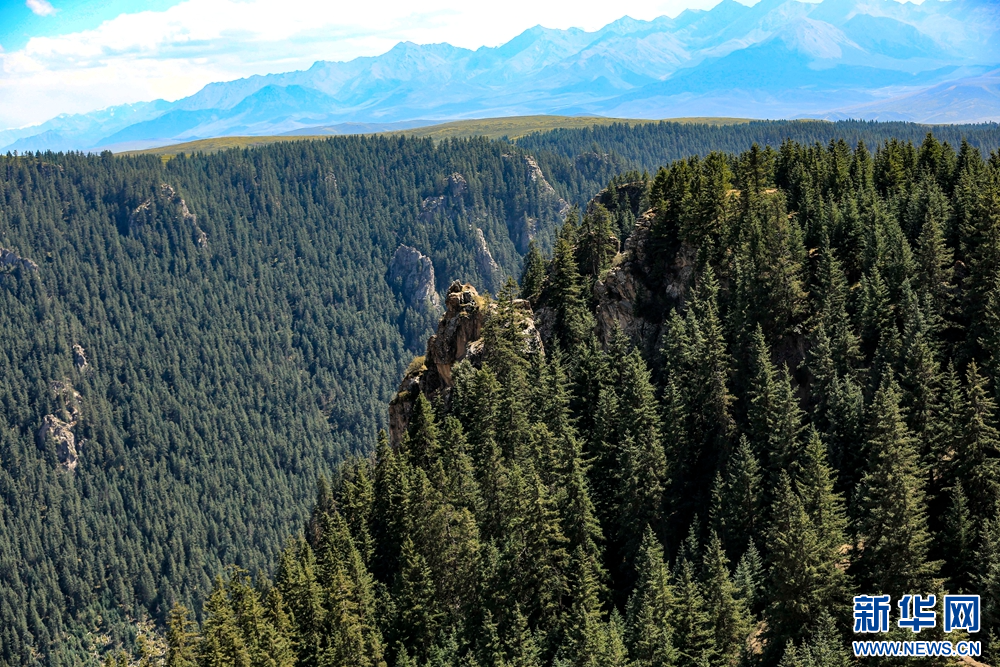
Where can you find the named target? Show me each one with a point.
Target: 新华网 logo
(916, 612)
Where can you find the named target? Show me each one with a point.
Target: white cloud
(41, 7)
(172, 53)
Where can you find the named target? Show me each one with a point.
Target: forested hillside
(650, 145)
(690, 453)
(186, 347)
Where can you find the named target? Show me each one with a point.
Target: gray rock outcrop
(62, 434)
(167, 195)
(429, 205)
(457, 185)
(488, 267)
(9, 258)
(454, 188)
(457, 339)
(523, 229)
(618, 291)
(79, 357)
(58, 428)
(412, 273)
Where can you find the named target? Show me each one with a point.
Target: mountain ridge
(776, 59)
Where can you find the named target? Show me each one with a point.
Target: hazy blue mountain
(974, 99)
(889, 37)
(80, 131)
(934, 62)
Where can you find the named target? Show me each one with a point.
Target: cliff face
(79, 356)
(58, 428)
(621, 293)
(61, 433)
(523, 229)
(412, 273)
(495, 236)
(9, 258)
(454, 190)
(488, 267)
(457, 339)
(630, 295)
(167, 197)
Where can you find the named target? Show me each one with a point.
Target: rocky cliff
(457, 339)
(167, 197)
(9, 258)
(488, 268)
(79, 357)
(523, 230)
(631, 295)
(61, 433)
(630, 284)
(58, 428)
(454, 188)
(412, 274)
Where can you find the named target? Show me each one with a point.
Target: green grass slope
(494, 128)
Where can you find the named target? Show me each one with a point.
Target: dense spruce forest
(781, 394)
(673, 443)
(239, 330)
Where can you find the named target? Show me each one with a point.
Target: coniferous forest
(721, 398)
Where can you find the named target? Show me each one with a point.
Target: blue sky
(75, 56)
(18, 22)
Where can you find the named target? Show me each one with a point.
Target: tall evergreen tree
(697, 364)
(831, 296)
(596, 243)
(419, 617)
(959, 541)
(420, 445)
(805, 576)
(824, 649)
(181, 638)
(977, 455)
(728, 612)
(893, 537)
(990, 336)
(920, 377)
(930, 214)
(648, 629)
(573, 322)
(694, 636)
(987, 575)
(533, 275)
(749, 578)
(822, 503)
(346, 631)
(644, 466)
(762, 394)
(977, 209)
(585, 635)
(785, 437)
(741, 499)
(222, 643)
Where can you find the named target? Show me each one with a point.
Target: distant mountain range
(938, 62)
